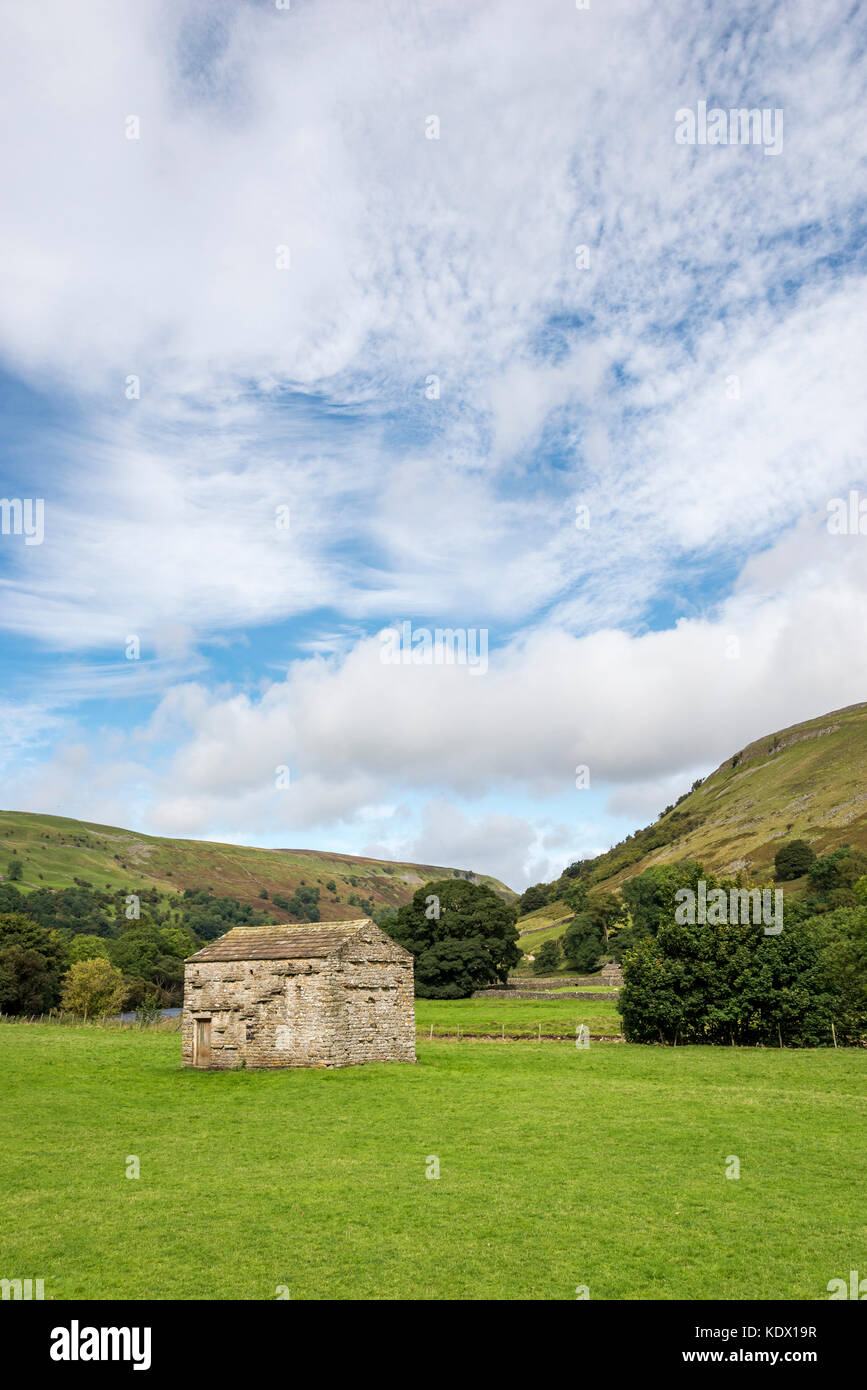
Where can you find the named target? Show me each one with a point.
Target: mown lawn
(558, 1168)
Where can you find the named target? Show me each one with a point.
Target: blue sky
(394, 342)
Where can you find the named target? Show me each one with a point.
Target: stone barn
(328, 994)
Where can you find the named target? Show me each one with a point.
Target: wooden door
(202, 1048)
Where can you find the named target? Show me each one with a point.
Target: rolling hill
(806, 782)
(56, 852)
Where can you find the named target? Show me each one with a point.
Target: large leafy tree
(588, 936)
(729, 983)
(650, 896)
(606, 911)
(11, 900)
(533, 898)
(575, 895)
(652, 1001)
(210, 917)
(462, 936)
(547, 957)
(152, 955)
(32, 960)
(841, 939)
(84, 947)
(583, 944)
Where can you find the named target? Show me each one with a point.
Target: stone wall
(326, 1012)
(377, 1014)
(542, 996)
(611, 975)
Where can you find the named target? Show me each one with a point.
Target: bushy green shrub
(793, 859)
(547, 957)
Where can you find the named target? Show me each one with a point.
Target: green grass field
(558, 1168)
(544, 916)
(536, 927)
(519, 1017)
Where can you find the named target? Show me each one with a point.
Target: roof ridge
(292, 926)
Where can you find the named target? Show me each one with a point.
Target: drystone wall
(326, 1012)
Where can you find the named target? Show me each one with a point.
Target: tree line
(99, 951)
(724, 982)
(734, 983)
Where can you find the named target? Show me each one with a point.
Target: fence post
(833, 1033)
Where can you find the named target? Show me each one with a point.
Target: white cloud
(262, 387)
(409, 256)
(643, 712)
(496, 844)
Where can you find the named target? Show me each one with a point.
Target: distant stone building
(328, 994)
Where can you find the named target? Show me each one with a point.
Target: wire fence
(60, 1018)
(494, 1030)
(539, 1031)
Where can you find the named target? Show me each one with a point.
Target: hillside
(56, 851)
(806, 782)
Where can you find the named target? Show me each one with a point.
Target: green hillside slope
(806, 782)
(56, 852)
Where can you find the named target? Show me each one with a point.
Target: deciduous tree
(462, 935)
(93, 987)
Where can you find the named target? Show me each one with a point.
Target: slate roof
(286, 941)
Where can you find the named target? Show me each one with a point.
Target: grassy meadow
(517, 1018)
(558, 1167)
(545, 924)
